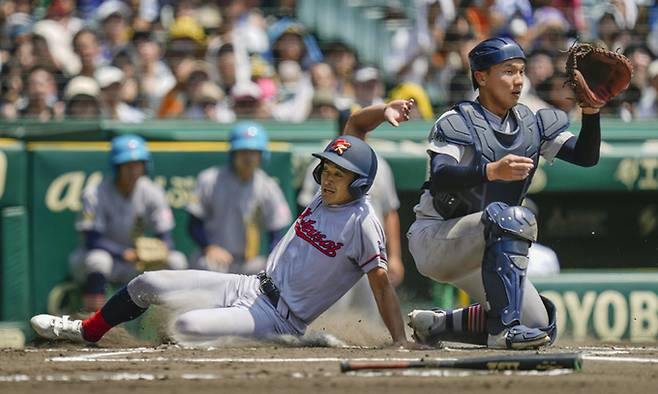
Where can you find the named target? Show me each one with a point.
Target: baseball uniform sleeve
(91, 217)
(550, 148)
(370, 245)
(200, 198)
(161, 218)
(275, 211)
(390, 200)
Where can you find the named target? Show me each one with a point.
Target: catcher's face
(334, 184)
(501, 85)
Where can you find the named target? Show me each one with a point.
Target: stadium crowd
(228, 59)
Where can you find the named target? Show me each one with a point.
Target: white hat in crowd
(81, 85)
(108, 75)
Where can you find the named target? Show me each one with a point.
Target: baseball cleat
(55, 327)
(518, 338)
(422, 322)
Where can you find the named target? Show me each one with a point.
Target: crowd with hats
(229, 59)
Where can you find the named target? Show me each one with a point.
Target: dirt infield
(247, 367)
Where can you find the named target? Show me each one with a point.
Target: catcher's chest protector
(489, 148)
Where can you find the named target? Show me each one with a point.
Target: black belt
(268, 288)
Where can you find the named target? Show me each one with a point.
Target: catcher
(115, 216)
(470, 229)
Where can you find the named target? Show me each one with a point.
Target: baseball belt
(268, 288)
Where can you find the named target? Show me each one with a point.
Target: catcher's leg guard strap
(509, 232)
(551, 328)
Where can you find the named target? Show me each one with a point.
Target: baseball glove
(596, 74)
(152, 254)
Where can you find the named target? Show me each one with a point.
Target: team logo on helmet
(132, 144)
(340, 146)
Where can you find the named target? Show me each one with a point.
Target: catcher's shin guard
(509, 232)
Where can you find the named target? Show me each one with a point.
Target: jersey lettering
(305, 229)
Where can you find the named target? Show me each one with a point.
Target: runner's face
(335, 183)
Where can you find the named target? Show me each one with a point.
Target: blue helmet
(127, 148)
(248, 136)
(352, 154)
(493, 51)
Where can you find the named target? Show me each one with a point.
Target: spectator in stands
(129, 92)
(422, 108)
(82, 96)
(248, 101)
(186, 45)
(290, 41)
(208, 102)
(109, 80)
(155, 77)
(342, 60)
(556, 92)
(368, 87)
(295, 93)
(648, 105)
(249, 25)
(323, 106)
(114, 18)
(41, 102)
(88, 49)
(225, 60)
(539, 68)
(62, 12)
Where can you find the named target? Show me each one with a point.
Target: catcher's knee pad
(551, 328)
(509, 232)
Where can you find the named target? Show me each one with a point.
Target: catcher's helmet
(493, 51)
(248, 136)
(352, 154)
(127, 148)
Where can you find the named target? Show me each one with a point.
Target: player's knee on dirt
(177, 260)
(146, 288)
(98, 260)
(509, 232)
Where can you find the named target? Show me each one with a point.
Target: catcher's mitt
(152, 254)
(596, 74)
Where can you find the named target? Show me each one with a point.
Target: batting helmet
(127, 148)
(352, 154)
(493, 51)
(248, 136)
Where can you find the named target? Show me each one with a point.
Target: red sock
(95, 327)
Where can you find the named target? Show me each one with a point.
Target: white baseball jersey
(228, 205)
(382, 195)
(325, 252)
(108, 212)
(465, 154)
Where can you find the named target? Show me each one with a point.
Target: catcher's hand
(152, 254)
(596, 74)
